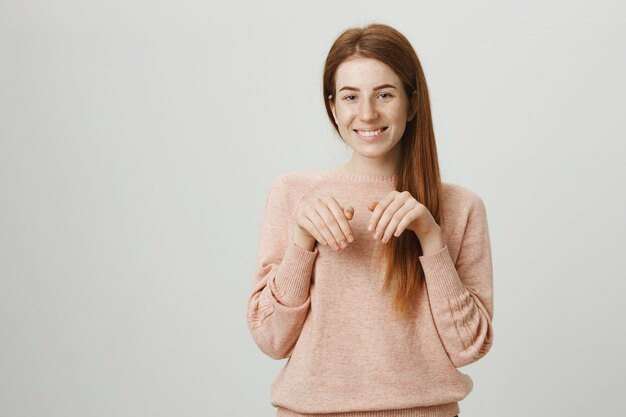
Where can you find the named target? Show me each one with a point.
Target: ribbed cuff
(441, 275)
(293, 279)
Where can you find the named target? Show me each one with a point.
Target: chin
(372, 153)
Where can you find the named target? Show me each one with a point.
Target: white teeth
(372, 133)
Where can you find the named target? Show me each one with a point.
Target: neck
(382, 165)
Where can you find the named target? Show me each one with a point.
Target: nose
(367, 111)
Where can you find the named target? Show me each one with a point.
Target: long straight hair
(418, 168)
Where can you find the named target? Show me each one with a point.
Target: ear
(332, 108)
(412, 106)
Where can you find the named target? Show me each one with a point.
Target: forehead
(365, 73)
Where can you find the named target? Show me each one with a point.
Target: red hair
(418, 168)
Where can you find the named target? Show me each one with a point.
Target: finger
(349, 212)
(406, 221)
(338, 223)
(314, 232)
(371, 208)
(392, 228)
(305, 220)
(319, 224)
(325, 221)
(384, 228)
(375, 224)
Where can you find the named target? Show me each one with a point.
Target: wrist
(432, 242)
(303, 242)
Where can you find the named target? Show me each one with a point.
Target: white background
(138, 140)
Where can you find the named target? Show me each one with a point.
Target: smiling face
(371, 110)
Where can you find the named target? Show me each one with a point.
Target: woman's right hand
(321, 219)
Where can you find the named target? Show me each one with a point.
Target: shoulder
(294, 178)
(463, 212)
(460, 199)
(291, 186)
(296, 181)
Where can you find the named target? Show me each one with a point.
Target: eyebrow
(347, 87)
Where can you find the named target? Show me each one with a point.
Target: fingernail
(343, 244)
(370, 227)
(376, 235)
(350, 238)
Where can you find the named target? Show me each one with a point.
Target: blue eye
(385, 97)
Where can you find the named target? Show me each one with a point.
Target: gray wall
(137, 142)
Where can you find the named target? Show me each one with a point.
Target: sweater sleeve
(461, 294)
(279, 302)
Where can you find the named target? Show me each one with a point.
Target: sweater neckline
(353, 176)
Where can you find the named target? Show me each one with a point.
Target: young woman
(373, 278)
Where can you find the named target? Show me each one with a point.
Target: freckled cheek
(345, 118)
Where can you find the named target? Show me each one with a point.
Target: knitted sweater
(324, 310)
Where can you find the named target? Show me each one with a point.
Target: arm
(461, 294)
(279, 302)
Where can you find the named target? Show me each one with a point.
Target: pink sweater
(325, 310)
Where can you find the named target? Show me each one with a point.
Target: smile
(370, 134)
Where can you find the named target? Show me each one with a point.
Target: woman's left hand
(399, 211)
